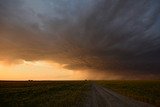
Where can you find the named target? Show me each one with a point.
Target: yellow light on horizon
(46, 70)
(35, 70)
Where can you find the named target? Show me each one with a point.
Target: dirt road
(102, 97)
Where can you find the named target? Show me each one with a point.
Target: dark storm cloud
(118, 36)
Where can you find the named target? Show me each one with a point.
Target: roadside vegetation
(43, 93)
(146, 91)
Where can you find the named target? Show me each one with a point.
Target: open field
(146, 91)
(79, 93)
(43, 93)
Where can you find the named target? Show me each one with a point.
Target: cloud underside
(121, 37)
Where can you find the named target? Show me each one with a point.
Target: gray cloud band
(118, 36)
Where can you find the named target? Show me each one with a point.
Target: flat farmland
(79, 93)
(43, 93)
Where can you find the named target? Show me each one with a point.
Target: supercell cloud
(121, 37)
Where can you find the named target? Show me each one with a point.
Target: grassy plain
(43, 93)
(71, 93)
(146, 91)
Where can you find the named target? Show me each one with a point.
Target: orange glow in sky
(38, 70)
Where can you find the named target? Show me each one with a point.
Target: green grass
(146, 91)
(43, 93)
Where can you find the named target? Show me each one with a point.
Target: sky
(79, 39)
